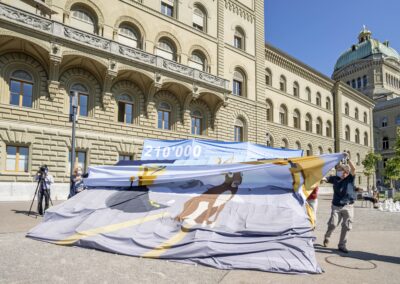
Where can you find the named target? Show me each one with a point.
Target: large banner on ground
(204, 152)
(248, 215)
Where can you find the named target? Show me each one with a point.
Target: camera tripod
(39, 185)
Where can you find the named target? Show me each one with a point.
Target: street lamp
(73, 119)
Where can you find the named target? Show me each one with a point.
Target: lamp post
(73, 119)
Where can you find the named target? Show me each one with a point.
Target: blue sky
(317, 31)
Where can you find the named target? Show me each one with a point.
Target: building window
(125, 157)
(167, 7)
(346, 109)
(308, 123)
(270, 140)
(385, 143)
(198, 61)
(283, 115)
(285, 144)
(268, 77)
(199, 18)
(296, 119)
(166, 49)
(80, 160)
(17, 159)
(320, 150)
(125, 109)
(82, 19)
(21, 89)
(348, 83)
(318, 99)
(129, 35)
(356, 113)
(353, 83)
(330, 151)
(358, 159)
(197, 122)
(347, 133)
(366, 139)
(359, 83)
(296, 89)
(309, 150)
(239, 83)
(270, 112)
(298, 145)
(239, 38)
(319, 126)
(239, 130)
(282, 84)
(384, 122)
(365, 117)
(164, 116)
(365, 81)
(328, 103)
(308, 93)
(328, 129)
(83, 99)
(398, 119)
(357, 137)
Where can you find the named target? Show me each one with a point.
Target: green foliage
(392, 170)
(369, 163)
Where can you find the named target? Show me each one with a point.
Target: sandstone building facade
(164, 69)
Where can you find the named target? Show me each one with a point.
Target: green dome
(363, 50)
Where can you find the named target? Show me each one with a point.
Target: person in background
(312, 200)
(77, 184)
(342, 203)
(45, 180)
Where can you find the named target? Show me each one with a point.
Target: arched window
(270, 111)
(359, 83)
(309, 150)
(356, 113)
(398, 119)
(308, 93)
(239, 83)
(129, 35)
(83, 99)
(347, 133)
(284, 144)
(319, 126)
(296, 119)
(168, 8)
(328, 129)
(346, 109)
(365, 117)
(268, 77)
(366, 139)
(358, 159)
(83, 19)
(320, 150)
(296, 89)
(385, 143)
(328, 103)
(21, 89)
(239, 38)
(164, 116)
(298, 145)
(270, 140)
(199, 18)
(282, 83)
(167, 49)
(330, 151)
(283, 115)
(357, 136)
(365, 81)
(308, 122)
(125, 109)
(197, 122)
(198, 61)
(318, 99)
(384, 122)
(239, 130)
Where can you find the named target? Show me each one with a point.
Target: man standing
(45, 180)
(342, 203)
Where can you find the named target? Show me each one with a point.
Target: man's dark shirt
(343, 190)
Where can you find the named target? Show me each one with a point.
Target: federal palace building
(163, 69)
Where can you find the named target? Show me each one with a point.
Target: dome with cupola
(366, 47)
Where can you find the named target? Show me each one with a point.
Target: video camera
(43, 170)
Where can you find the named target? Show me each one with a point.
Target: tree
(369, 163)
(392, 170)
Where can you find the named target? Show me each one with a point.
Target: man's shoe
(343, 249)
(326, 242)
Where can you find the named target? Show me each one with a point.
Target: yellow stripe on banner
(107, 229)
(310, 213)
(158, 251)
